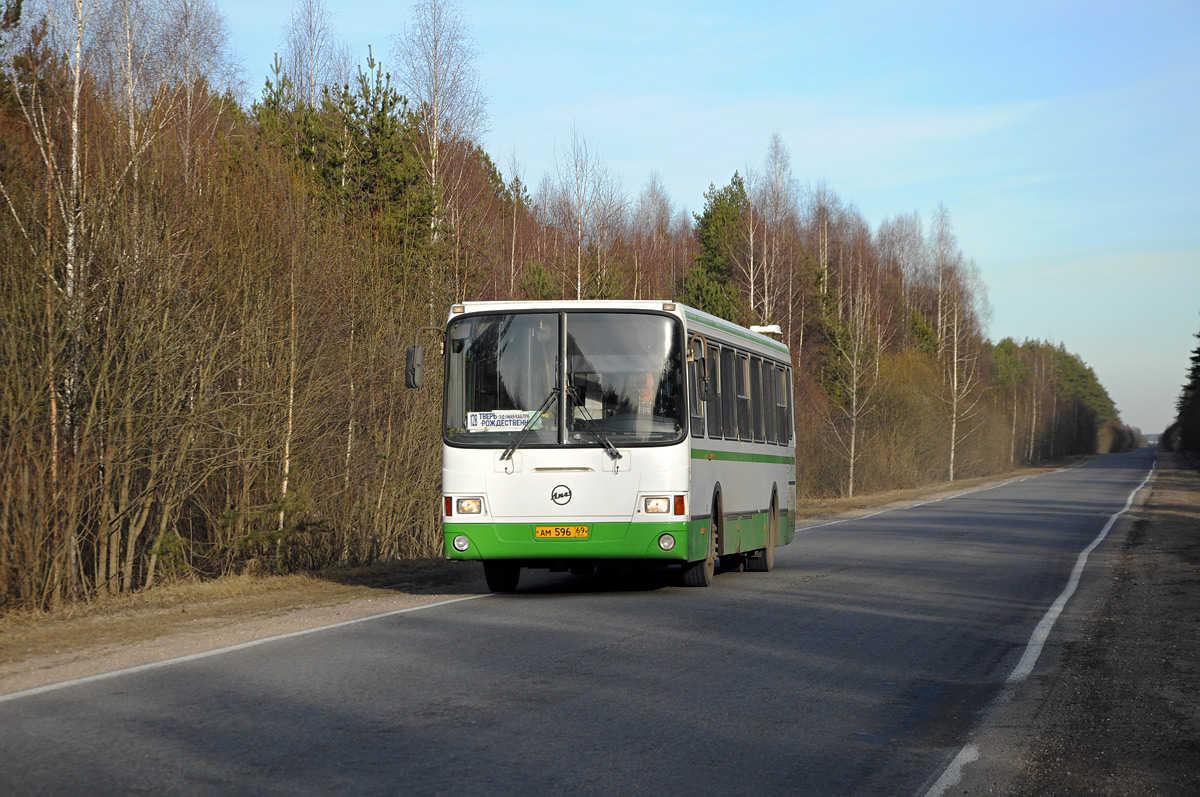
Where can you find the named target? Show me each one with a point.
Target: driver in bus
(645, 387)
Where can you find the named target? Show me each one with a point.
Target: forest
(205, 299)
(1184, 434)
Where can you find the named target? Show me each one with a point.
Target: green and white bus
(590, 434)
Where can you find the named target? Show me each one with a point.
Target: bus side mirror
(701, 363)
(414, 366)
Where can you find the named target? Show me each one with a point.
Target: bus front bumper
(668, 541)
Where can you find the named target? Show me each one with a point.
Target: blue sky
(1063, 137)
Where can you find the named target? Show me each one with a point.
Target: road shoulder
(180, 620)
(172, 622)
(1113, 706)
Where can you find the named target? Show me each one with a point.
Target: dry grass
(815, 508)
(186, 605)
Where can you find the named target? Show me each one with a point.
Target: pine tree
(1188, 406)
(708, 285)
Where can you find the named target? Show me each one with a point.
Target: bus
(579, 435)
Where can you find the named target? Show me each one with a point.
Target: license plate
(560, 532)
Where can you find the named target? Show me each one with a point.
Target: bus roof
(690, 315)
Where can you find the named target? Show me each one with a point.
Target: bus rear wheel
(764, 561)
(502, 576)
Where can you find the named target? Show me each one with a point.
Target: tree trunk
(291, 395)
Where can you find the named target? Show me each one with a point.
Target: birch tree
(746, 254)
(437, 72)
(609, 225)
(48, 78)
(961, 356)
(852, 375)
(777, 198)
(519, 202)
(576, 167)
(1012, 372)
(944, 252)
(202, 70)
(652, 219)
(313, 55)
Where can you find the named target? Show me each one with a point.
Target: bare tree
(901, 242)
(946, 258)
(747, 259)
(854, 379)
(133, 56)
(652, 222)
(609, 224)
(437, 73)
(962, 352)
(516, 189)
(202, 67)
(777, 198)
(823, 206)
(576, 168)
(313, 54)
(49, 106)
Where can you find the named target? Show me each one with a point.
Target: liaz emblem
(561, 495)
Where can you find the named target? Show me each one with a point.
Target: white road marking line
(953, 773)
(1042, 631)
(970, 751)
(154, 665)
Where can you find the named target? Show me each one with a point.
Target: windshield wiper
(589, 425)
(520, 438)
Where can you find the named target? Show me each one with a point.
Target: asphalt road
(860, 665)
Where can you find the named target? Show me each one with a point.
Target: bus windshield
(623, 374)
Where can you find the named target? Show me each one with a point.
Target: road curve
(860, 665)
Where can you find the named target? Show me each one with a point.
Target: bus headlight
(461, 543)
(469, 506)
(666, 542)
(657, 506)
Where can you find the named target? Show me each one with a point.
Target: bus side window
(757, 405)
(768, 400)
(696, 406)
(742, 375)
(790, 417)
(781, 415)
(714, 392)
(729, 400)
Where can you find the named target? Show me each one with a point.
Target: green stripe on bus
(605, 540)
(737, 456)
(739, 331)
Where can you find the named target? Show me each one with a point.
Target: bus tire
(502, 576)
(700, 574)
(763, 561)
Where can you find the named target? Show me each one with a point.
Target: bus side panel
(746, 487)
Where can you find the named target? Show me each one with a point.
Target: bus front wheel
(700, 574)
(502, 576)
